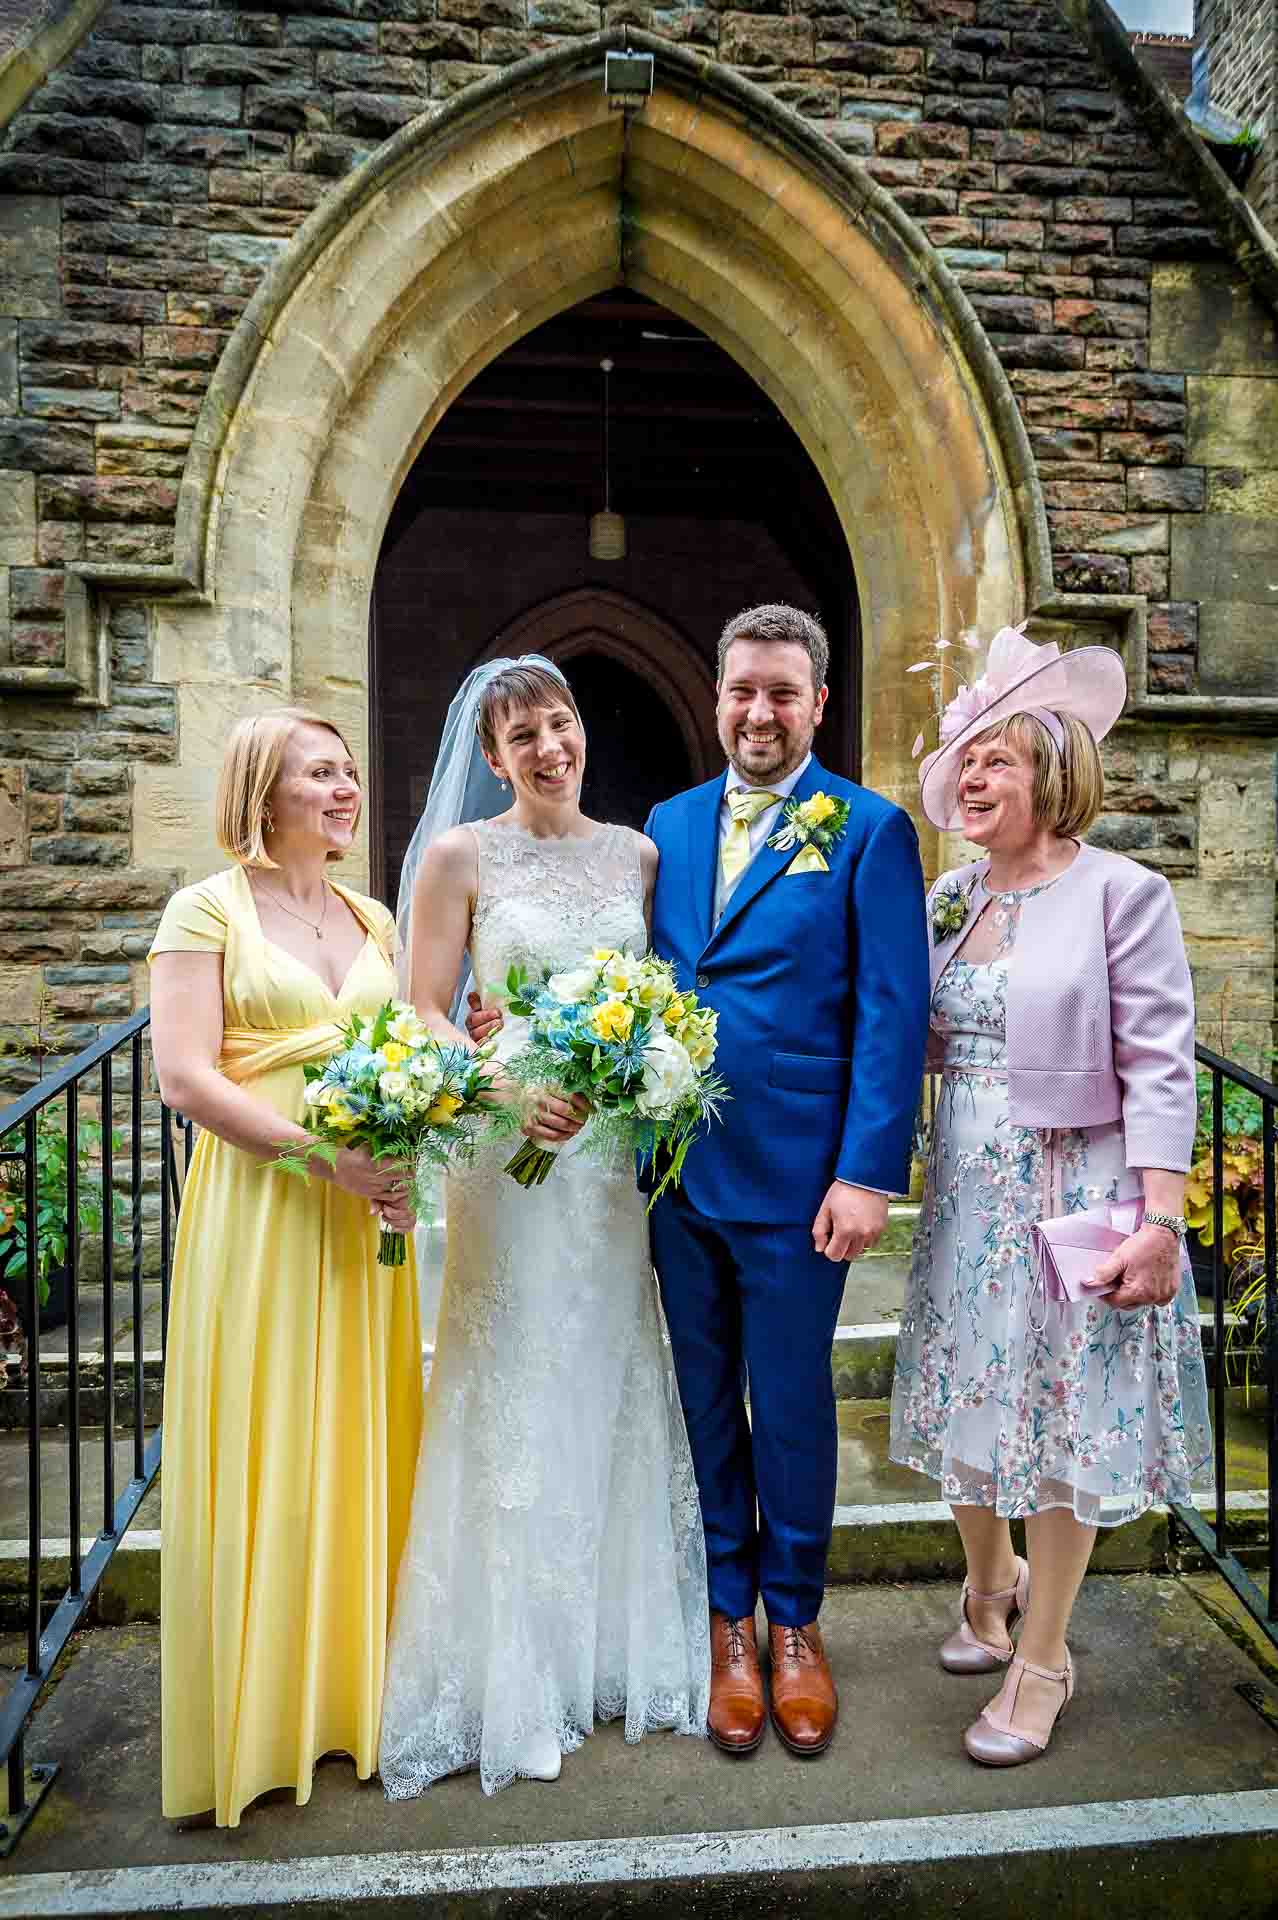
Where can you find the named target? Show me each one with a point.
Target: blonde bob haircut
(250, 768)
(1069, 787)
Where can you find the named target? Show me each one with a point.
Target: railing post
(1271, 1352)
(1220, 1399)
(73, 1335)
(35, 1531)
(108, 1302)
(135, 1201)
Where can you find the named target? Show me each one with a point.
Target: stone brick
(113, 303)
(1158, 416)
(36, 591)
(1063, 445)
(969, 111)
(256, 251)
(1108, 532)
(30, 948)
(80, 849)
(31, 173)
(143, 451)
(86, 98)
(98, 777)
(1013, 314)
(287, 109)
(203, 106)
(1084, 496)
(1113, 318)
(296, 190)
(1166, 489)
(10, 401)
(484, 13)
(1150, 574)
(753, 40)
(1143, 449)
(1080, 110)
(329, 154)
(162, 65)
(237, 188)
(36, 446)
(140, 545)
(13, 823)
(350, 36)
(44, 813)
(1224, 557)
(31, 645)
(60, 542)
(223, 67)
(1255, 492)
(1091, 572)
(1206, 319)
(565, 16)
(201, 146)
(106, 499)
(948, 231)
(1117, 356)
(448, 77)
(376, 115)
(1173, 627)
(917, 140)
(68, 135)
(1051, 350)
(431, 40)
(51, 403)
(87, 342)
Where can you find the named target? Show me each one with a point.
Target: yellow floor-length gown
(292, 1405)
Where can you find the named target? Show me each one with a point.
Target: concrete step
(889, 1523)
(1157, 1798)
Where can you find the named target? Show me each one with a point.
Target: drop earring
(268, 820)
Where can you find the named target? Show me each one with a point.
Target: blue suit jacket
(821, 985)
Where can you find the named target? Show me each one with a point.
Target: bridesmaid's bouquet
(396, 1090)
(619, 1031)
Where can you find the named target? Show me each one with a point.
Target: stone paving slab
(1157, 1713)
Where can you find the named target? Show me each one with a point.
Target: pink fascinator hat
(1087, 684)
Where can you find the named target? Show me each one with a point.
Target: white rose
(573, 985)
(622, 972)
(393, 1085)
(426, 1071)
(667, 1076)
(406, 1028)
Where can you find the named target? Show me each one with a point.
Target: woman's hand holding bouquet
(393, 1093)
(616, 1033)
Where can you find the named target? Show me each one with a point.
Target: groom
(819, 972)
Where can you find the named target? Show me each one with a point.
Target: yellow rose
(613, 1020)
(442, 1109)
(395, 1053)
(673, 1014)
(817, 810)
(340, 1115)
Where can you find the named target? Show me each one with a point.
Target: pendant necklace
(316, 929)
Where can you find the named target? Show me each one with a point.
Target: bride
(555, 1565)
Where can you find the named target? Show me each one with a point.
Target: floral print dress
(1011, 1401)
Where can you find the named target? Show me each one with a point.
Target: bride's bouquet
(396, 1090)
(619, 1031)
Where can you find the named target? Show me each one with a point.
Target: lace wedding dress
(555, 1566)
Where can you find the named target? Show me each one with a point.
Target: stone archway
(468, 229)
(594, 620)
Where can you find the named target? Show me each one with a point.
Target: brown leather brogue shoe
(738, 1709)
(805, 1702)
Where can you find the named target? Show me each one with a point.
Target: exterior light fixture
(607, 529)
(627, 80)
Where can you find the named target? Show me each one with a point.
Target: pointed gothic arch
(482, 219)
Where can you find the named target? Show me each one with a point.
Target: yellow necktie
(745, 805)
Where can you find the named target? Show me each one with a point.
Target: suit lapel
(767, 862)
(703, 855)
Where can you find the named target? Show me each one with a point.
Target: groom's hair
(779, 626)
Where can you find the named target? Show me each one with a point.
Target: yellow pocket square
(809, 859)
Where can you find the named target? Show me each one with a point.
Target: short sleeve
(193, 922)
(381, 924)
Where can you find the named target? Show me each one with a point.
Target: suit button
(703, 980)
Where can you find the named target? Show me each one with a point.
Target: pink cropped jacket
(1100, 1006)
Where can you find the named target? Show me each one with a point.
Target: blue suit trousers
(758, 1302)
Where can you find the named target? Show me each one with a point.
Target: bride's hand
(482, 1022)
(554, 1118)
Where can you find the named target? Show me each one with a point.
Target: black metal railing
(52, 1621)
(1214, 1537)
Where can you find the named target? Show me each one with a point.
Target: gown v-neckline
(267, 941)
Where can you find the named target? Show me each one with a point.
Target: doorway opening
(486, 554)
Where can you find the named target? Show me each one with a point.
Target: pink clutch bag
(1066, 1252)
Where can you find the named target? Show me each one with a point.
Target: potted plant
(1237, 156)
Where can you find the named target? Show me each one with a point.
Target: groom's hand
(849, 1221)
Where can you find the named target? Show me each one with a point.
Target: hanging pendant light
(607, 529)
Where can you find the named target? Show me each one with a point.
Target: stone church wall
(1240, 39)
(150, 182)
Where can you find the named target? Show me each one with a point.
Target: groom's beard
(757, 765)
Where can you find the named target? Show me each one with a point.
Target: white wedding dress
(555, 1567)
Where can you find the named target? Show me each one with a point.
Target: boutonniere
(951, 905)
(813, 825)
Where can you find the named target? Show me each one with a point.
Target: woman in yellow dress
(292, 1398)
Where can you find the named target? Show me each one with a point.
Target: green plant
(1242, 1157)
(37, 1045)
(1246, 136)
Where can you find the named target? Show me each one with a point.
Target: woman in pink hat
(1062, 1026)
